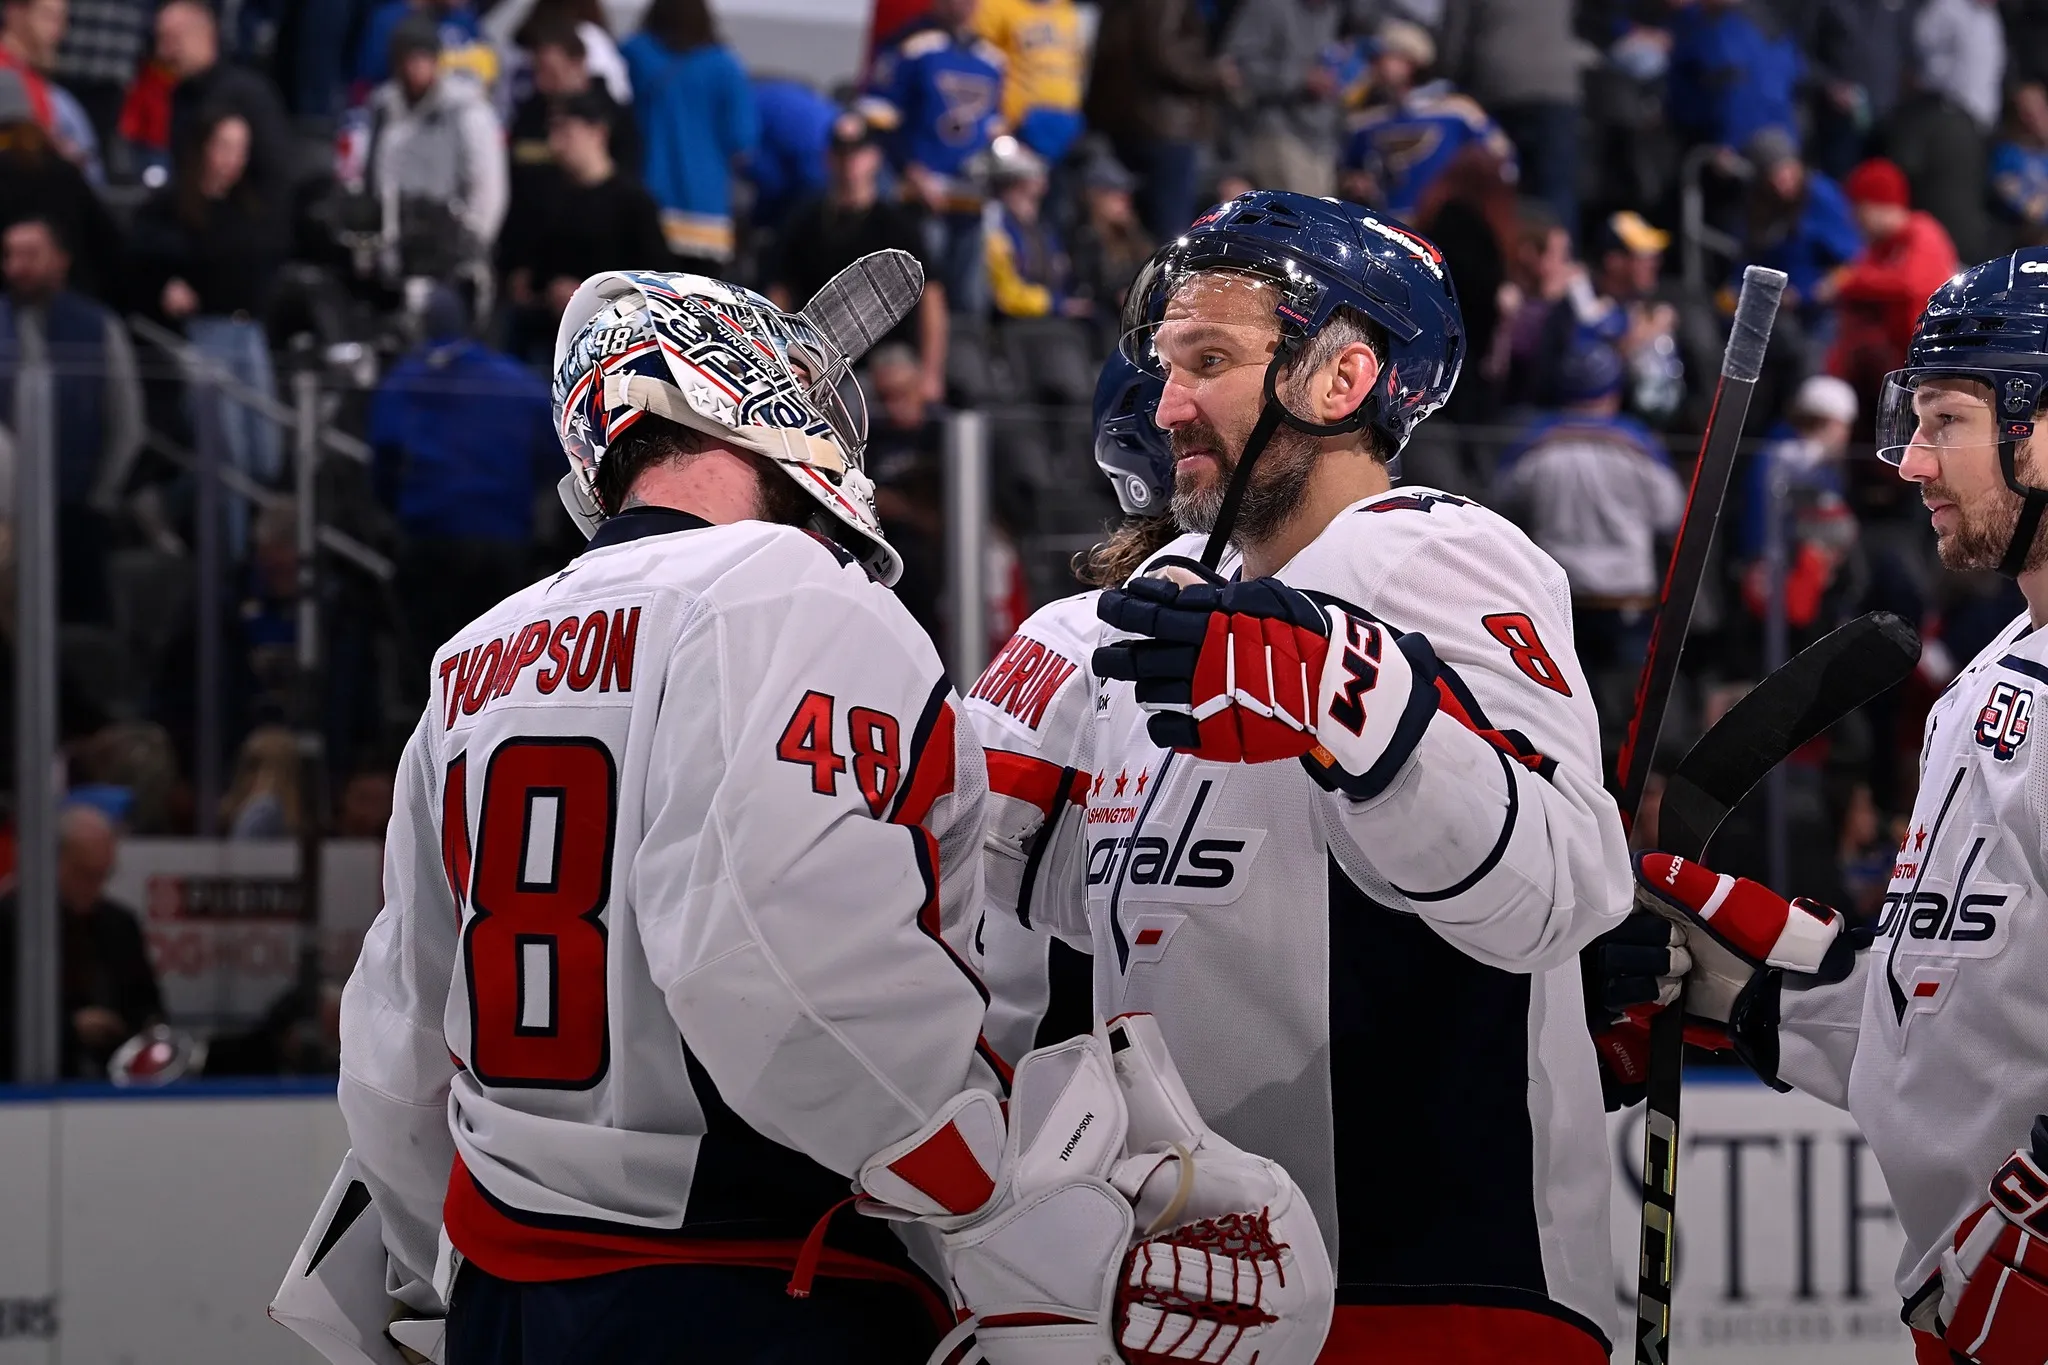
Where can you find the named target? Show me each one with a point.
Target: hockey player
(1936, 1038)
(663, 972)
(1345, 829)
(1034, 710)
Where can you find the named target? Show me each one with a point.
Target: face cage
(2015, 396)
(825, 376)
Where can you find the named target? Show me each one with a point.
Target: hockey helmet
(724, 361)
(1319, 255)
(1130, 447)
(1987, 328)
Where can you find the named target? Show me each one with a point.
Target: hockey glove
(1257, 671)
(1730, 940)
(1082, 1250)
(1994, 1281)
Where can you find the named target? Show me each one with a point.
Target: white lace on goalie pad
(1123, 1229)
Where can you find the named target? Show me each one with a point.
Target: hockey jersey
(1384, 996)
(676, 852)
(1938, 1041)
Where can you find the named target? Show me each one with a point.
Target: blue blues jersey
(2019, 181)
(937, 94)
(1407, 145)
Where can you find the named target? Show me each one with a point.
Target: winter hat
(1824, 396)
(417, 32)
(1878, 181)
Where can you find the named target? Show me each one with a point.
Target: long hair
(681, 25)
(268, 765)
(189, 168)
(1135, 540)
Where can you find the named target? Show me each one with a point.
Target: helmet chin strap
(2034, 501)
(1271, 414)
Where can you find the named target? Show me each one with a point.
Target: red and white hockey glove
(1257, 671)
(1729, 939)
(1083, 1250)
(1994, 1281)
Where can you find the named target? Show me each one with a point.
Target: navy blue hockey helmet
(1987, 327)
(1129, 445)
(1321, 255)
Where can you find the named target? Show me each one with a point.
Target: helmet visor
(1213, 315)
(1939, 410)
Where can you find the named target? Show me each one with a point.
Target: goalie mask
(726, 362)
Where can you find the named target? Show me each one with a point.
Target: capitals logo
(2002, 724)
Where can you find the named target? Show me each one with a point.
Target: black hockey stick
(1741, 363)
(1810, 692)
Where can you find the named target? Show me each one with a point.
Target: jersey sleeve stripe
(1032, 779)
(1458, 702)
(1500, 845)
(931, 760)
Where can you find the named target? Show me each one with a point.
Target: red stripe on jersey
(455, 830)
(1448, 703)
(931, 766)
(943, 1167)
(1032, 779)
(522, 1252)
(1454, 1334)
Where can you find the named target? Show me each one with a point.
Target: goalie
(663, 977)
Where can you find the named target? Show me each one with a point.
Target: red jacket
(1881, 294)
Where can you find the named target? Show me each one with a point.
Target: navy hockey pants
(683, 1315)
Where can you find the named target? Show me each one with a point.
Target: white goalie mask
(725, 361)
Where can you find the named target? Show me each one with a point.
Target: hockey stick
(1741, 363)
(1811, 691)
(1808, 693)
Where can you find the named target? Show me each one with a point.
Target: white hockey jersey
(1384, 996)
(1938, 1042)
(675, 852)
(1034, 710)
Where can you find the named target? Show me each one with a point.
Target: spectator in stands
(30, 32)
(1520, 60)
(107, 990)
(96, 401)
(435, 146)
(585, 18)
(1796, 220)
(936, 91)
(364, 810)
(208, 249)
(1110, 245)
(36, 181)
(20, 22)
(207, 85)
(1961, 49)
(103, 43)
(1278, 54)
(1470, 214)
(1152, 87)
(1030, 274)
(789, 163)
(2019, 164)
(1857, 50)
(1809, 448)
(1410, 135)
(1945, 155)
(1596, 490)
(1733, 72)
(560, 72)
(1906, 256)
(1042, 49)
(1627, 266)
(262, 800)
(464, 447)
(848, 222)
(590, 218)
(697, 122)
(455, 27)
(1542, 272)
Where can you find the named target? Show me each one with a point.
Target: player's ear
(1344, 382)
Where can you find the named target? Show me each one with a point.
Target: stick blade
(864, 302)
(1814, 689)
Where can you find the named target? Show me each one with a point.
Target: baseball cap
(1631, 232)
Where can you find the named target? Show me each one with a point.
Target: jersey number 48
(533, 951)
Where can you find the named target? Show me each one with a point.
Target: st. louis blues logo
(2002, 724)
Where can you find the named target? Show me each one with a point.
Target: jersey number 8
(533, 951)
